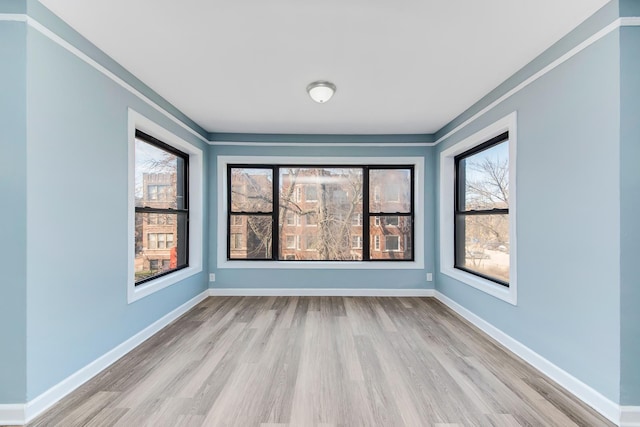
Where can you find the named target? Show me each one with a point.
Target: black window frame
(365, 214)
(459, 211)
(182, 236)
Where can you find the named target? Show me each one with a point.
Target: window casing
(161, 209)
(336, 204)
(449, 204)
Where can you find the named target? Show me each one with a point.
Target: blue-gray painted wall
(568, 217)
(323, 277)
(67, 178)
(13, 226)
(77, 216)
(630, 214)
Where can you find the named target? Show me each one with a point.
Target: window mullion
(275, 206)
(366, 226)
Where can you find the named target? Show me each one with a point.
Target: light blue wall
(568, 215)
(630, 214)
(13, 226)
(77, 214)
(323, 278)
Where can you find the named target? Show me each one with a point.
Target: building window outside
(392, 243)
(481, 224)
(311, 193)
(159, 240)
(161, 208)
(331, 201)
(357, 219)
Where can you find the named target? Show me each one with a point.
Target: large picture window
(320, 213)
(161, 208)
(481, 224)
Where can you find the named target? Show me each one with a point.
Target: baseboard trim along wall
(582, 391)
(321, 292)
(22, 414)
(12, 414)
(629, 416)
(624, 416)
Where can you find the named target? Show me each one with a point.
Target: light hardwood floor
(320, 361)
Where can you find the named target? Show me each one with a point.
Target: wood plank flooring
(324, 362)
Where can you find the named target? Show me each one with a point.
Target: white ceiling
(401, 66)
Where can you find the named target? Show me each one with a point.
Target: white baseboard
(629, 416)
(582, 391)
(12, 414)
(322, 292)
(22, 414)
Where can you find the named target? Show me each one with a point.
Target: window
(376, 243)
(291, 242)
(477, 210)
(482, 210)
(312, 218)
(311, 193)
(268, 197)
(393, 221)
(376, 221)
(311, 242)
(236, 241)
(153, 154)
(252, 200)
(161, 208)
(392, 243)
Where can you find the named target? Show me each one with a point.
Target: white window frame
(447, 209)
(358, 239)
(196, 204)
(419, 179)
(376, 242)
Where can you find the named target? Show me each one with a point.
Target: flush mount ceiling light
(321, 91)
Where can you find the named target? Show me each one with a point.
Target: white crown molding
(84, 57)
(620, 22)
(320, 144)
(630, 21)
(323, 292)
(15, 17)
(629, 416)
(582, 391)
(22, 414)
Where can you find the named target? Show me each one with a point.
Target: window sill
(324, 265)
(507, 294)
(148, 288)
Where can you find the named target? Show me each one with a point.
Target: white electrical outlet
(429, 277)
(212, 277)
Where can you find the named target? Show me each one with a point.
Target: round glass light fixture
(321, 91)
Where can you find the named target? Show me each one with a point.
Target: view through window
(161, 208)
(320, 213)
(482, 210)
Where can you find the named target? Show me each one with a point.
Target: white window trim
(419, 178)
(376, 242)
(447, 207)
(196, 204)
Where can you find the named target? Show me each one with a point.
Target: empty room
(348, 213)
